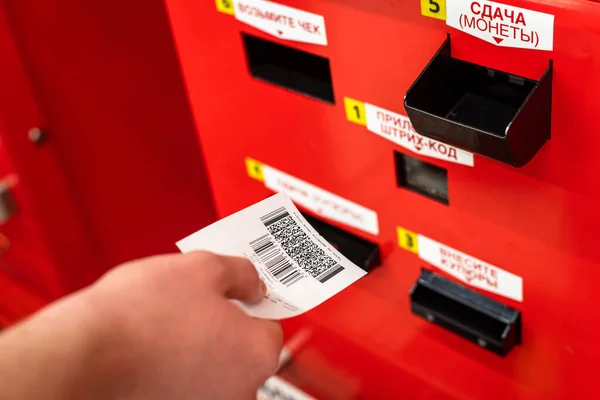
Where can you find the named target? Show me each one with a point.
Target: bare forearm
(60, 353)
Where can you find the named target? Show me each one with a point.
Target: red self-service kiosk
(452, 143)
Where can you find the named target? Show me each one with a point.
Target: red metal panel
(46, 231)
(17, 301)
(24, 254)
(333, 365)
(537, 222)
(121, 175)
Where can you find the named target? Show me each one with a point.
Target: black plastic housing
(488, 112)
(477, 318)
(361, 252)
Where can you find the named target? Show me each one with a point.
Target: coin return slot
(489, 102)
(360, 251)
(290, 68)
(477, 318)
(493, 113)
(421, 177)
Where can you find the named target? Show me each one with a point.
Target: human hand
(186, 339)
(157, 328)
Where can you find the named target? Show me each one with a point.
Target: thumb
(237, 278)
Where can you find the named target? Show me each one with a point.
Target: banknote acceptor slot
(492, 113)
(361, 252)
(486, 322)
(290, 68)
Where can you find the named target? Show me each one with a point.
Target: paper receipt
(276, 388)
(300, 269)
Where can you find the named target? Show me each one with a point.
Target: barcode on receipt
(286, 240)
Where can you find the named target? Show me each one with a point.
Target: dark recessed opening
(361, 252)
(474, 95)
(473, 316)
(489, 101)
(469, 317)
(493, 113)
(421, 177)
(290, 68)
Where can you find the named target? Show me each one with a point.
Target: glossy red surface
(121, 175)
(538, 222)
(17, 301)
(34, 252)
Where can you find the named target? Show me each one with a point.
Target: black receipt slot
(488, 112)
